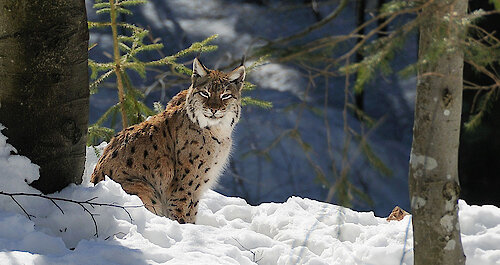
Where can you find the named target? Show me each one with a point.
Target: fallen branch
(247, 249)
(87, 203)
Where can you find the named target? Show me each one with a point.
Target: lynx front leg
(146, 192)
(183, 210)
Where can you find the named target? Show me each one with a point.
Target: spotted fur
(173, 157)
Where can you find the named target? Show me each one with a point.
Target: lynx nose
(213, 111)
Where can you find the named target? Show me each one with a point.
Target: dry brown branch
(347, 138)
(485, 71)
(473, 86)
(333, 40)
(313, 27)
(486, 34)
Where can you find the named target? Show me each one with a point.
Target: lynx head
(214, 98)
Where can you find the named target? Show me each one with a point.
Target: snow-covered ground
(228, 230)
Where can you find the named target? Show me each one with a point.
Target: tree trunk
(433, 178)
(44, 95)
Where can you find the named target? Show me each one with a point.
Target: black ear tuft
(243, 58)
(199, 70)
(237, 75)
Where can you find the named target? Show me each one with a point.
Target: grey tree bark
(433, 177)
(44, 95)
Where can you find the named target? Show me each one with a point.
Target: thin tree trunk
(117, 62)
(44, 95)
(433, 178)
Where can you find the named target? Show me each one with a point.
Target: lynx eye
(226, 96)
(204, 94)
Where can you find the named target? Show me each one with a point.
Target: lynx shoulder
(173, 157)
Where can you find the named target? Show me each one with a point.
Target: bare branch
(313, 27)
(81, 203)
(58, 207)
(251, 251)
(18, 204)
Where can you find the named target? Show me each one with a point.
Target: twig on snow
(88, 202)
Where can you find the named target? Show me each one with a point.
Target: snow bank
(228, 231)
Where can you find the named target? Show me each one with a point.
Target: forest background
(324, 130)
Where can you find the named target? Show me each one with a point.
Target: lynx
(170, 159)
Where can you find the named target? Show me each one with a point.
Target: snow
(447, 222)
(228, 229)
(417, 202)
(429, 162)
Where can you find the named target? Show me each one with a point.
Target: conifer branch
(257, 102)
(132, 2)
(126, 49)
(93, 85)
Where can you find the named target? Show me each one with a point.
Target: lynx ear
(198, 69)
(237, 75)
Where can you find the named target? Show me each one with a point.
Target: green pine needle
(256, 102)
(108, 114)
(98, 81)
(132, 2)
(103, 10)
(101, 5)
(92, 25)
(247, 86)
(133, 43)
(96, 133)
(124, 11)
